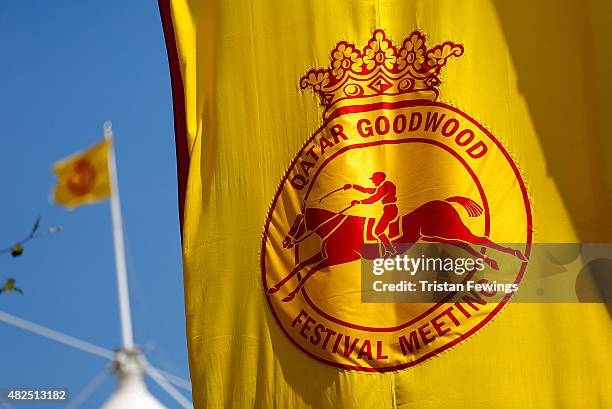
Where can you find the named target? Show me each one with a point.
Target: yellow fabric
(83, 177)
(535, 73)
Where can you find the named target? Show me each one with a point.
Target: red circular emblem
(390, 167)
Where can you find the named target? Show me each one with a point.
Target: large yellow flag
(83, 177)
(316, 137)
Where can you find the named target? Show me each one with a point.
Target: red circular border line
(483, 197)
(474, 329)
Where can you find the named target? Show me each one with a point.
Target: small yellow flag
(83, 177)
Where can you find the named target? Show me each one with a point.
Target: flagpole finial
(108, 129)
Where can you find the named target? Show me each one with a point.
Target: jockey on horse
(384, 192)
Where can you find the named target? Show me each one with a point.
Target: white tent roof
(131, 390)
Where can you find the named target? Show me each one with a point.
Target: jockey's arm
(362, 189)
(374, 198)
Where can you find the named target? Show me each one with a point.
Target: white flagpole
(122, 283)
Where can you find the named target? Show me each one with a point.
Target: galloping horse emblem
(342, 236)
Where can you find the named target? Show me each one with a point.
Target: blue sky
(67, 66)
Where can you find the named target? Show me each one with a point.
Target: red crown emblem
(380, 69)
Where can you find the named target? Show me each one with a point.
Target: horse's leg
(440, 219)
(310, 272)
(485, 241)
(466, 247)
(314, 259)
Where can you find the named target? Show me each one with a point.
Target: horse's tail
(473, 209)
